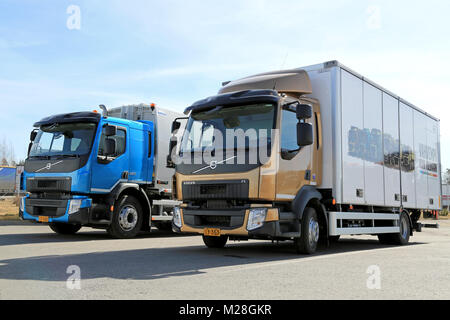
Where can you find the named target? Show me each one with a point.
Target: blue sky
(176, 52)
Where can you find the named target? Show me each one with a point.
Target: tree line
(7, 153)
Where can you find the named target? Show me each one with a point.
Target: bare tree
(7, 153)
(446, 176)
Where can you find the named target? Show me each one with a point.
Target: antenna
(281, 68)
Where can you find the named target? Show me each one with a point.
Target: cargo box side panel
(163, 122)
(421, 155)
(372, 146)
(352, 139)
(408, 186)
(321, 82)
(391, 145)
(433, 164)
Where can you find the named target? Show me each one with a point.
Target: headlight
(177, 217)
(74, 206)
(256, 218)
(22, 204)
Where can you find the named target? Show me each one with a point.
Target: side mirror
(304, 111)
(172, 146)
(175, 126)
(304, 134)
(33, 135)
(110, 130)
(30, 145)
(110, 147)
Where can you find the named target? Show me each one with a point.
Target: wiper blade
(40, 157)
(69, 156)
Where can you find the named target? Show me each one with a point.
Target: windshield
(203, 128)
(70, 139)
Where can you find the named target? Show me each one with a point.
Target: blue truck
(105, 171)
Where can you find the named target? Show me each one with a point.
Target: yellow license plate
(211, 232)
(43, 219)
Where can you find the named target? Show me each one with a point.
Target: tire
(401, 238)
(307, 243)
(65, 228)
(215, 242)
(333, 239)
(385, 238)
(127, 218)
(164, 226)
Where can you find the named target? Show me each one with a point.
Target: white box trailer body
(378, 149)
(162, 120)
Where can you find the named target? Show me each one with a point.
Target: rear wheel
(334, 239)
(401, 238)
(307, 243)
(127, 218)
(215, 242)
(65, 228)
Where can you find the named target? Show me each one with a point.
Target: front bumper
(81, 216)
(193, 221)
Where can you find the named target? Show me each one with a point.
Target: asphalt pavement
(35, 263)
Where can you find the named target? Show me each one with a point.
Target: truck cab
(230, 199)
(88, 169)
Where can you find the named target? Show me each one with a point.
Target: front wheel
(164, 226)
(215, 242)
(307, 243)
(65, 228)
(127, 218)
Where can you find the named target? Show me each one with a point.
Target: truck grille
(215, 221)
(36, 185)
(214, 218)
(207, 190)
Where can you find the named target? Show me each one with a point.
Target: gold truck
(303, 155)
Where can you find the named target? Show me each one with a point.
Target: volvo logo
(48, 166)
(213, 165)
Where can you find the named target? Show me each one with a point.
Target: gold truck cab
(232, 194)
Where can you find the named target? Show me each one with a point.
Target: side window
(289, 146)
(120, 138)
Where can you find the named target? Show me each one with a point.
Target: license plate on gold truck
(211, 232)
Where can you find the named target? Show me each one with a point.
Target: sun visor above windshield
(293, 82)
(70, 117)
(234, 98)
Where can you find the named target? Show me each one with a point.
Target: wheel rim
(313, 232)
(128, 218)
(404, 228)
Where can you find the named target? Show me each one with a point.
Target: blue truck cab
(88, 169)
